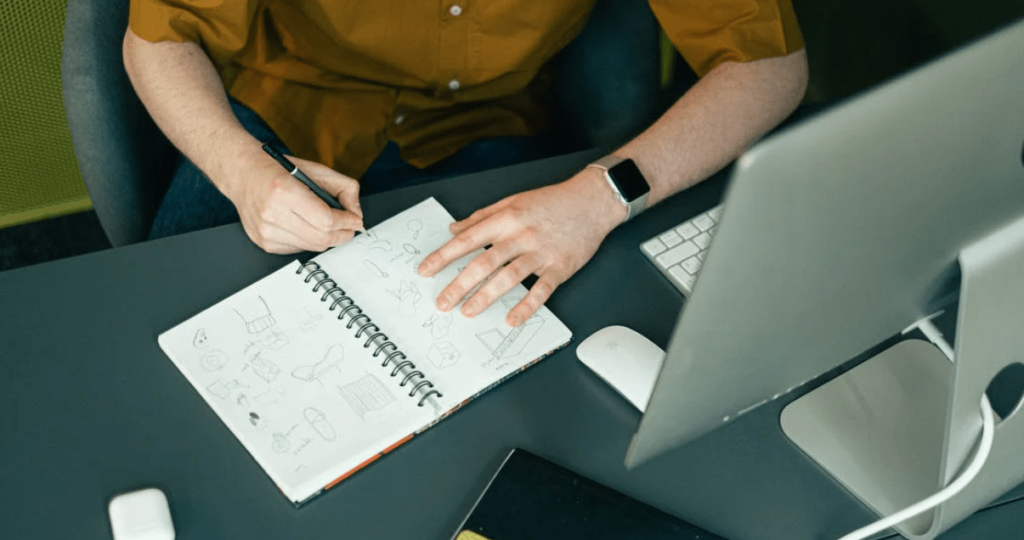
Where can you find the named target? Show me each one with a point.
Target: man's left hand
(551, 232)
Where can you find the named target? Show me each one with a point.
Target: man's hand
(185, 96)
(281, 215)
(551, 232)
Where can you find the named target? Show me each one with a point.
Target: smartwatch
(625, 179)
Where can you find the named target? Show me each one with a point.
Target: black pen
(301, 176)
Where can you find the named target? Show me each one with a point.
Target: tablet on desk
(532, 498)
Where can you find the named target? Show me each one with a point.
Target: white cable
(987, 434)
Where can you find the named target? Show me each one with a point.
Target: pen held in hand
(301, 176)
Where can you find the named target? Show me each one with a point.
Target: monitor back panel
(837, 232)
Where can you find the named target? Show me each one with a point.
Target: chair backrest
(124, 159)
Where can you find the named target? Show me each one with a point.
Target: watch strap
(633, 208)
(608, 162)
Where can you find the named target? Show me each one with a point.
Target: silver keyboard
(679, 252)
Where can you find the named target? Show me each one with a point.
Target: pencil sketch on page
(374, 269)
(215, 360)
(271, 338)
(443, 354)
(408, 295)
(505, 345)
(318, 420)
(256, 315)
(439, 324)
(281, 441)
(373, 240)
(200, 341)
(309, 317)
(410, 254)
(271, 396)
(369, 399)
(314, 372)
(415, 226)
(257, 421)
(264, 368)
(219, 389)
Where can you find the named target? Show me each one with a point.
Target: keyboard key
(716, 213)
(653, 247)
(687, 230)
(681, 278)
(671, 239)
(692, 265)
(703, 222)
(679, 253)
(703, 241)
(712, 230)
(701, 255)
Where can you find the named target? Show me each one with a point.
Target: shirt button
(454, 84)
(399, 119)
(455, 10)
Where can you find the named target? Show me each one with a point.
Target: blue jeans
(193, 203)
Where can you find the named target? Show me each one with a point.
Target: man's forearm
(181, 90)
(717, 120)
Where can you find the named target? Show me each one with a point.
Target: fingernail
(470, 308)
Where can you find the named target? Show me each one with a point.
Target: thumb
(341, 187)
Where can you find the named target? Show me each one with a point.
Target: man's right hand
(281, 215)
(183, 93)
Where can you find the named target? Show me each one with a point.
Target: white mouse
(625, 359)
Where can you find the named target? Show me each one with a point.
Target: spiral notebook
(323, 367)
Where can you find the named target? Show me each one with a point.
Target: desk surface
(91, 407)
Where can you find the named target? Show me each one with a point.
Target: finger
(478, 216)
(315, 212)
(286, 226)
(268, 238)
(465, 242)
(539, 293)
(509, 276)
(475, 273)
(312, 239)
(343, 188)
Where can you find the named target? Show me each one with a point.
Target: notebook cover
(532, 498)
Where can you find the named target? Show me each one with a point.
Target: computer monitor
(840, 232)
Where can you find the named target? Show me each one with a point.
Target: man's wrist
(237, 163)
(605, 202)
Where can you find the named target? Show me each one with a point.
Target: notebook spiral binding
(374, 337)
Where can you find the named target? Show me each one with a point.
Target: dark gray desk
(91, 407)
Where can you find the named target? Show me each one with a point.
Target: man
(345, 83)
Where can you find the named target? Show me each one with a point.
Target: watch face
(630, 182)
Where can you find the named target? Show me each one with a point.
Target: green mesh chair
(38, 174)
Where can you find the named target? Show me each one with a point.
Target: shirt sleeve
(710, 32)
(221, 27)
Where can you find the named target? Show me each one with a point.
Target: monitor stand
(903, 424)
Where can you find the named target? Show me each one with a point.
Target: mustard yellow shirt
(337, 79)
